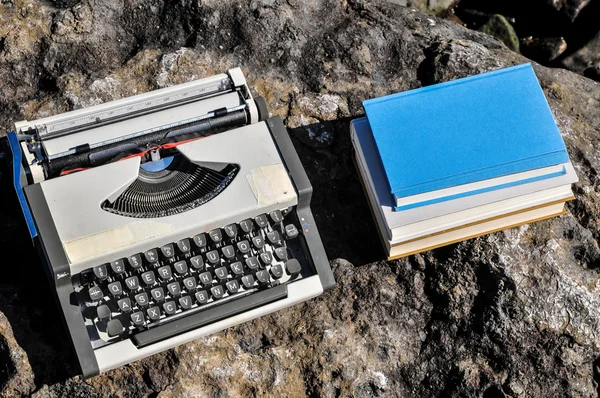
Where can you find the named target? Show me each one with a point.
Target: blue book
(465, 137)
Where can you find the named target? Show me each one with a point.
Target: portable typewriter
(167, 216)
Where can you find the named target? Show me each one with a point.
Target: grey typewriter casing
(73, 233)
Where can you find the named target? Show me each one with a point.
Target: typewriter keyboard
(167, 283)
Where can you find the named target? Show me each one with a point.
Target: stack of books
(461, 159)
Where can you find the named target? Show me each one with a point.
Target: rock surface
(593, 72)
(545, 49)
(586, 57)
(570, 8)
(512, 314)
(435, 7)
(555, 33)
(499, 27)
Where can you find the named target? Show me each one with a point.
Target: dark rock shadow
(339, 204)
(538, 19)
(26, 298)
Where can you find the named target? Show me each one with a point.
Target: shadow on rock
(339, 203)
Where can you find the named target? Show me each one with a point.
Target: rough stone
(593, 72)
(16, 375)
(440, 8)
(585, 57)
(499, 27)
(544, 49)
(514, 313)
(569, 8)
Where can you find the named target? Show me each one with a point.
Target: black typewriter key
(124, 304)
(100, 272)
(276, 216)
(135, 261)
(273, 237)
(231, 231)
(228, 252)
(185, 302)
(217, 291)
(151, 256)
(153, 313)
(165, 273)
(261, 220)
(86, 277)
(292, 266)
(170, 307)
(201, 297)
(148, 278)
(248, 281)
(237, 268)
(115, 288)
(180, 267)
(141, 299)
(262, 276)
(174, 289)
(118, 266)
(291, 231)
(252, 262)
(168, 251)
(246, 226)
(258, 241)
(95, 293)
(190, 283)
(221, 273)
(137, 318)
(197, 262)
(103, 312)
(184, 246)
(200, 240)
(215, 235)
(277, 271)
(213, 257)
(266, 258)
(280, 254)
(243, 246)
(205, 278)
(114, 328)
(232, 286)
(157, 294)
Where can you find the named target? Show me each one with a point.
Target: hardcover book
(466, 137)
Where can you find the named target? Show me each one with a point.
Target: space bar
(209, 316)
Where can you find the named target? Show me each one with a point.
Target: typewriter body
(167, 216)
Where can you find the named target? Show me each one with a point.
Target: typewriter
(167, 216)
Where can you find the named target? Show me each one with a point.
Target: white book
(480, 186)
(472, 231)
(400, 226)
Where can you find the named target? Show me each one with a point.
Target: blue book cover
(464, 131)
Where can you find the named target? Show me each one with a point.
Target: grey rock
(16, 375)
(513, 313)
(569, 8)
(585, 57)
(435, 7)
(543, 49)
(593, 72)
(499, 27)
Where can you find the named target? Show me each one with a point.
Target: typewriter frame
(46, 240)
